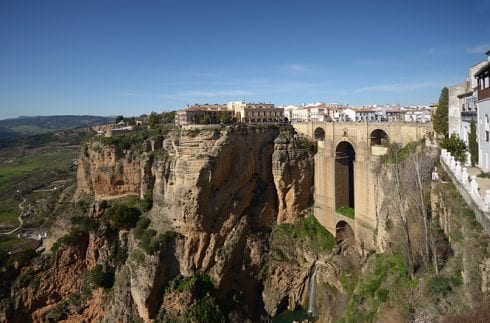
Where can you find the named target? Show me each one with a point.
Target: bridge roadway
(344, 176)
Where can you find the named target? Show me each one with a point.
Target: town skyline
(128, 58)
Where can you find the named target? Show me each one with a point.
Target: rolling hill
(43, 124)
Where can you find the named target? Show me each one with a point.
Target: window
(486, 118)
(487, 136)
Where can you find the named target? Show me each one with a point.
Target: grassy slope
(27, 165)
(385, 292)
(30, 129)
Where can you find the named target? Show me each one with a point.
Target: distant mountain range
(43, 124)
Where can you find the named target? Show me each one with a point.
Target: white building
(483, 106)
(417, 115)
(462, 105)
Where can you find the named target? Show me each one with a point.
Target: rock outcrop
(50, 282)
(109, 172)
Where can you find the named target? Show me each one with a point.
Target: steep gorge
(216, 195)
(222, 233)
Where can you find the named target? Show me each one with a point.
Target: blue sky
(131, 57)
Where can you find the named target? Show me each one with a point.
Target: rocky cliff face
(51, 282)
(221, 191)
(108, 172)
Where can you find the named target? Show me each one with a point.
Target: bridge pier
(367, 140)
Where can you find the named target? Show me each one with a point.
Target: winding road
(21, 221)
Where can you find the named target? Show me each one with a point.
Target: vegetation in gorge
(198, 293)
(385, 279)
(306, 233)
(431, 268)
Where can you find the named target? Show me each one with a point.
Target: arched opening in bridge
(344, 179)
(344, 232)
(378, 137)
(319, 134)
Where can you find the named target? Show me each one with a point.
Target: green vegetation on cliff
(129, 141)
(198, 294)
(385, 278)
(346, 211)
(450, 288)
(306, 233)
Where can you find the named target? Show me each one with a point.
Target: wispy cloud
(397, 87)
(478, 49)
(297, 68)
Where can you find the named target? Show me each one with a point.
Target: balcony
(484, 94)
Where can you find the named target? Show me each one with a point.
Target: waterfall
(312, 295)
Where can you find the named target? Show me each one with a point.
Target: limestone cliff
(220, 190)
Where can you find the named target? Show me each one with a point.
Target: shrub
(141, 227)
(104, 204)
(308, 145)
(21, 258)
(206, 310)
(147, 202)
(72, 237)
(151, 242)
(146, 238)
(484, 174)
(121, 255)
(455, 146)
(86, 224)
(122, 216)
(102, 278)
(200, 284)
(439, 286)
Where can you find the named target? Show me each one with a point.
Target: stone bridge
(345, 191)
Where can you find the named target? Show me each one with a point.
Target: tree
(132, 121)
(473, 144)
(119, 119)
(168, 117)
(154, 120)
(440, 122)
(122, 216)
(205, 119)
(224, 117)
(407, 204)
(456, 147)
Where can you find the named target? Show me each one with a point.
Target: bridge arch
(319, 134)
(343, 232)
(378, 137)
(345, 156)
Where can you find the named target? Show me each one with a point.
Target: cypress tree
(440, 122)
(473, 144)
